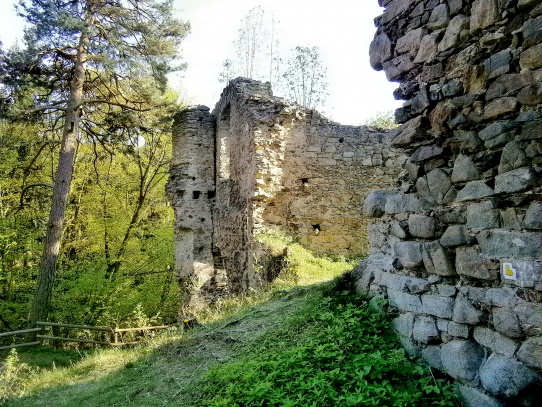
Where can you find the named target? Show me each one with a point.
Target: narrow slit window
(196, 194)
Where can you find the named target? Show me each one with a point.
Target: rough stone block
(497, 108)
(464, 169)
(439, 18)
(507, 323)
(513, 156)
(410, 42)
(472, 397)
(455, 235)
(504, 244)
(531, 131)
(405, 302)
(469, 263)
(496, 342)
(526, 274)
(380, 51)
(421, 226)
(530, 318)
(484, 13)
(436, 187)
(497, 65)
(530, 58)
(428, 48)
(483, 215)
(458, 330)
(431, 356)
(465, 313)
(499, 297)
(375, 203)
(446, 290)
(425, 330)
(533, 216)
(530, 352)
(438, 260)
(452, 36)
(404, 324)
(516, 180)
(409, 254)
(505, 377)
(461, 359)
(475, 190)
(405, 203)
(435, 305)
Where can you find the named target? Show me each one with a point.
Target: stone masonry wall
(457, 249)
(260, 161)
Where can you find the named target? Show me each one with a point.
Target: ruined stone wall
(191, 190)
(457, 249)
(260, 161)
(327, 172)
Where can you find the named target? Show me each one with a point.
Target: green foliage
(14, 376)
(382, 120)
(335, 352)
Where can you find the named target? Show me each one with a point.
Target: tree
(256, 49)
(84, 53)
(305, 78)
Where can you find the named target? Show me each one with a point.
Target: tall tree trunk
(63, 176)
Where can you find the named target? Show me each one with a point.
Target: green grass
(314, 345)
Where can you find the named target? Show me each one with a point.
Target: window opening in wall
(211, 194)
(305, 181)
(341, 140)
(180, 194)
(202, 219)
(193, 178)
(196, 194)
(316, 229)
(223, 135)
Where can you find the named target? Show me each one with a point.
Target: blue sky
(342, 29)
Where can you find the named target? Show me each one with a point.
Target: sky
(341, 29)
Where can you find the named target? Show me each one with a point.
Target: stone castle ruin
(259, 161)
(456, 236)
(457, 249)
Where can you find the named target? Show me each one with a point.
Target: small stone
(530, 352)
(404, 301)
(400, 203)
(472, 397)
(421, 226)
(437, 306)
(507, 323)
(516, 180)
(461, 359)
(409, 254)
(469, 263)
(482, 215)
(475, 190)
(431, 356)
(506, 377)
(458, 330)
(530, 95)
(531, 131)
(404, 324)
(530, 58)
(410, 42)
(452, 36)
(428, 48)
(379, 51)
(425, 153)
(455, 235)
(375, 203)
(465, 313)
(439, 17)
(533, 216)
(530, 318)
(436, 187)
(438, 260)
(500, 107)
(425, 330)
(446, 290)
(513, 156)
(484, 13)
(495, 341)
(497, 65)
(464, 169)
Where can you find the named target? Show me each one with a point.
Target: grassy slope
(202, 366)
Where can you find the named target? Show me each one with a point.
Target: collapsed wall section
(457, 250)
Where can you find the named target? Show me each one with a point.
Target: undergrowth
(335, 352)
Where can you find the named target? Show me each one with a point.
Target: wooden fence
(114, 334)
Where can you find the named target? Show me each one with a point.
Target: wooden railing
(113, 334)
